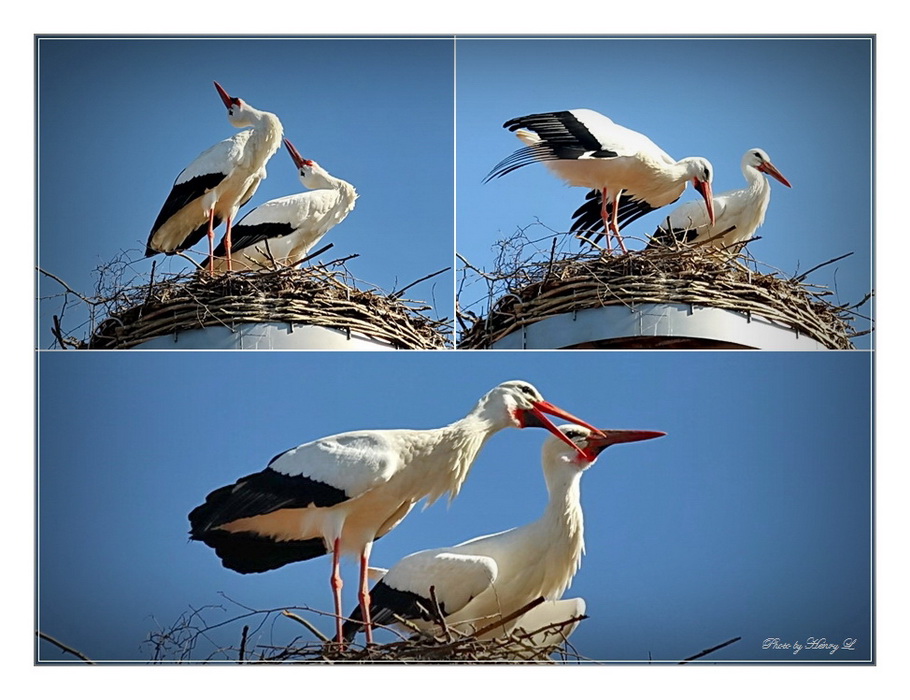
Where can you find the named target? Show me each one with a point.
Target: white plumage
(738, 213)
(548, 624)
(215, 185)
(485, 579)
(586, 149)
(282, 231)
(339, 493)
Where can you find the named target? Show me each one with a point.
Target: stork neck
(450, 451)
(564, 487)
(266, 135)
(561, 526)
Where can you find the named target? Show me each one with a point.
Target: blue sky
(806, 102)
(129, 115)
(751, 518)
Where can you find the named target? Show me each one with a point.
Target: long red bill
(704, 188)
(769, 169)
(298, 159)
(539, 408)
(598, 443)
(227, 99)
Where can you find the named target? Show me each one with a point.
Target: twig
(65, 648)
(712, 649)
(246, 631)
(58, 332)
(397, 295)
(307, 624)
(813, 269)
(437, 613)
(65, 286)
(318, 252)
(508, 618)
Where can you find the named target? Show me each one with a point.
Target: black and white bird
(222, 179)
(586, 149)
(282, 231)
(340, 493)
(738, 213)
(481, 581)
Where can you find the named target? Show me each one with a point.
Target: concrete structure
(642, 326)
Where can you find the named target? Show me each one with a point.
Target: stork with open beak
(339, 493)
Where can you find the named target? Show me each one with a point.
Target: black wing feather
(246, 236)
(386, 602)
(249, 553)
(259, 494)
(563, 137)
(588, 220)
(182, 194)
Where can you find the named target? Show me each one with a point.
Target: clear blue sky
(806, 102)
(119, 119)
(751, 518)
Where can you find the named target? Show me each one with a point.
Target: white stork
(586, 149)
(339, 493)
(738, 213)
(282, 231)
(222, 179)
(481, 581)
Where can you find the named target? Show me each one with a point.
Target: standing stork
(339, 493)
(586, 149)
(213, 187)
(481, 581)
(738, 213)
(282, 231)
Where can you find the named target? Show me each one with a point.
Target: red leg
(227, 243)
(604, 214)
(336, 588)
(212, 241)
(364, 594)
(615, 223)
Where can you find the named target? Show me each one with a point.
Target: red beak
(704, 189)
(298, 159)
(769, 169)
(599, 442)
(535, 418)
(227, 99)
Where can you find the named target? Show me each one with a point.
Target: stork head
(587, 445)
(238, 110)
(519, 404)
(307, 170)
(761, 161)
(701, 173)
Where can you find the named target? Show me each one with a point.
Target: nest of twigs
(199, 635)
(517, 646)
(691, 275)
(313, 296)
